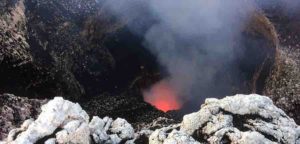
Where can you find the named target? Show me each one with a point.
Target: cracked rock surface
(239, 119)
(62, 121)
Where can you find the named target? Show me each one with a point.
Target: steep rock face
(260, 31)
(14, 47)
(15, 52)
(237, 119)
(285, 80)
(72, 48)
(14, 110)
(48, 48)
(60, 38)
(285, 77)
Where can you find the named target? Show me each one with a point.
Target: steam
(289, 7)
(194, 40)
(163, 97)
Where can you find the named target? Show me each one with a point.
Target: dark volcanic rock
(59, 39)
(69, 48)
(14, 110)
(127, 106)
(285, 76)
(77, 49)
(21, 72)
(261, 45)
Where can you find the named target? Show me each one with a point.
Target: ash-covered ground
(285, 77)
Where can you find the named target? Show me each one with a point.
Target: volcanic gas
(163, 96)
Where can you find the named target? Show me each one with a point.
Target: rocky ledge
(14, 110)
(236, 119)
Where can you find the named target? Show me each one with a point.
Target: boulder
(238, 119)
(62, 121)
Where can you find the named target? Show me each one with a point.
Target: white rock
(74, 122)
(72, 126)
(56, 113)
(254, 138)
(75, 133)
(100, 136)
(96, 124)
(97, 129)
(160, 135)
(12, 134)
(108, 122)
(242, 119)
(62, 136)
(114, 139)
(50, 141)
(26, 124)
(122, 128)
(179, 137)
(119, 129)
(140, 135)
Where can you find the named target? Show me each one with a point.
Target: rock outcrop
(238, 119)
(62, 121)
(14, 110)
(14, 47)
(283, 84)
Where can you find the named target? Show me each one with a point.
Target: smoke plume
(195, 42)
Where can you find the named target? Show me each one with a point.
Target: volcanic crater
(81, 51)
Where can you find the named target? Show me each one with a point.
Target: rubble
(237, 119)
(62, 121)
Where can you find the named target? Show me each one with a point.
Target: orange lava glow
(162, 96)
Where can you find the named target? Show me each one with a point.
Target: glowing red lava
(162, 96)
